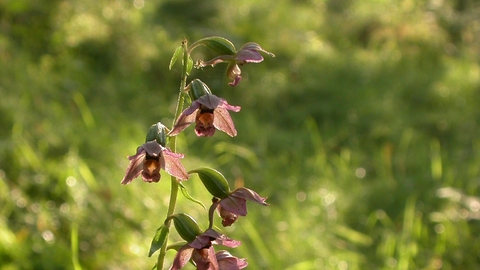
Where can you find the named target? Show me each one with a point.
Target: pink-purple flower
(209, 113)
(235, 204)
(248, 53)
(202, 253)
(149, 159)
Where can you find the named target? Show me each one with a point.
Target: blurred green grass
(363, 131)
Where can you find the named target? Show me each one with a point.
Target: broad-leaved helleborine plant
(209, 112)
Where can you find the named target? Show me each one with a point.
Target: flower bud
(186, 226)
(213, 181)
(157, 132)
(198, 89)
(218, 45)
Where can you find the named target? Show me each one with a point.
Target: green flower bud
(186, 226)
(218, 45)
(198, 89)
(157, 132)
(213, 181)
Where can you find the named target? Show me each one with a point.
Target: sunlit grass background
(363, 131)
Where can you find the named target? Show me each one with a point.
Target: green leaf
(219, 45)
(159, 239)
(185, 193)
(176, 54)
(213, 181)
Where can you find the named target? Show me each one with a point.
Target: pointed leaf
(190, 198)
(159, 239)
(213, 181)
(176, 54)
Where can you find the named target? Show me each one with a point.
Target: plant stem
(173, 144)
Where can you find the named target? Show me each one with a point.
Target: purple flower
(201, 251)
(249, 53)
(228, 262)
(209, 112)
(235, 204)
(148, 160)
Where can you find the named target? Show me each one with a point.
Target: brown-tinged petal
(254, 48)
(204, 123)
(183, 256)
(249, 194)
(223, 122)
(153, 148)
(235, 205)
(185, 119)
(205, 259)
(228, 262)
(224, 104)
(249, 56)
(135, 167)
(228, 218)
(223, 240)
(172, 165)
(209, 101)
(151, 169)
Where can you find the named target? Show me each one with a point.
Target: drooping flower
(209, 112)
(149, 159)
(235, 204)
(201, 251)
(228, 262)
(248, 53)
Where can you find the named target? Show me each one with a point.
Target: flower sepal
(213, 181)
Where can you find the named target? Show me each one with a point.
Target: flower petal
(250, 53)
(235, 205)
(183, 256)
(170, 162)
(153, 148)
(135, 167)
(210, 101)
(236, 81)
(185, 119)
(228, 262)
(248, 56)
(205, 259)
(249, 194)
(225, 241)
(225, 105)
(223, 122)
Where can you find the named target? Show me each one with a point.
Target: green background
(362, 131)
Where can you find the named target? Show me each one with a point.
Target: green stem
(173, 145)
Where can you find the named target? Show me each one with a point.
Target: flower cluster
(209, 113)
